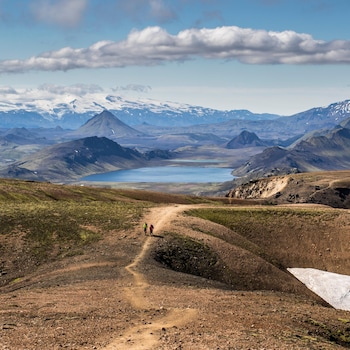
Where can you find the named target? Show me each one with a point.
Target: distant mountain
(70, 112)
(335, 145)
(270, 162)
(176, 140)
(318, 118)
(18, 118)
(71, 160)
(328, 151)
(157, 118)
(105, 124)
(284, 130)
(345, 123)
(287, 127)
(245, 139)
(21, 136)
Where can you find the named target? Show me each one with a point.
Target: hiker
(145, 228)
(151, 229)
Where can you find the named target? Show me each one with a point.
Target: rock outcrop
(327, 188)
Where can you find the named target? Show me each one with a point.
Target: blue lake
(165, 174)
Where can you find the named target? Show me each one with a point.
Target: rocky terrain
(200, 282)
(329, 188)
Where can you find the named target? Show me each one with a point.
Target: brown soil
(330, 188)
(116, 296)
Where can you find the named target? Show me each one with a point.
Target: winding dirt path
(146, 336)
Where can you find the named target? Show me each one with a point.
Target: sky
(266, 56)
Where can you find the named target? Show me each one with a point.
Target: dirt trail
(146, 336)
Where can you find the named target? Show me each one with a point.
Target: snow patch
(332, 287)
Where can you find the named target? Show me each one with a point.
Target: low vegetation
(51, 228)
(38, 227)
(42, 222)
(282, 236)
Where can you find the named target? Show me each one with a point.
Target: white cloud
(154, 46)
(133, 87)
(76, 89)
(7, 90)
(62, 12)
(47, 92)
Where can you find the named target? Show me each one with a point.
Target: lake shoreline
(217, 189)
(165, 174)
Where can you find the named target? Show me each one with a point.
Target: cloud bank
(66, 13)
(133, 87)
(47, 96)
(49, 91)
(76, 89)
(154, 46)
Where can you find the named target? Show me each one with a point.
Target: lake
(165, 174)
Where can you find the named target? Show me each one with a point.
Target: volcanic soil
(120, 294)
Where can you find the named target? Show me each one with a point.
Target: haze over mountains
(33, 137)
(72, 113)
(322, 151)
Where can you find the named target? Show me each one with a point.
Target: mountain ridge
(323, 152)
(72, 111)
(73, 159)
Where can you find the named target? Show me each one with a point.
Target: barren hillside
(212, 276)
(329, 188)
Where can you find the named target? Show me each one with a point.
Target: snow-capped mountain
(335, 112)
(37, 108)
(70, 109)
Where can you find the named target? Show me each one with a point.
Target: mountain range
(67, 161)
(318, 139)
(322, 151)
(73, 113)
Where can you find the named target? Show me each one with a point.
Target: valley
(78, 272)
(252, 146)
(174, 175)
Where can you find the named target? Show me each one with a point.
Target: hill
(330, 188)
(323, 151)
(21, 136)
(245, 139)
(107, 125)
(71, 160)
(77, 271)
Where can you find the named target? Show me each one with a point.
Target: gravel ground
(115, 296)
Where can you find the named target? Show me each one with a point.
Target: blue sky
(275, 56)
